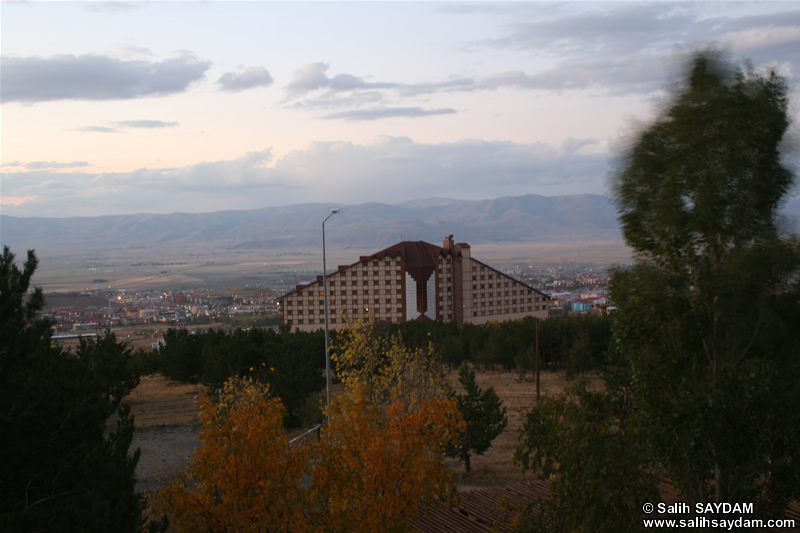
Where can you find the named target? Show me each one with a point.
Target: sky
(173, 106)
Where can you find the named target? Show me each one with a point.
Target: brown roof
(482, 511)
(479, 509)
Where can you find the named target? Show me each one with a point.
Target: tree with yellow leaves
(377, 465)
(244, 477)
(381, 456)
(385, 368)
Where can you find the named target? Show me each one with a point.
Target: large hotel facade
(413, 281)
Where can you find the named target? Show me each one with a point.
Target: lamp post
(325, 297)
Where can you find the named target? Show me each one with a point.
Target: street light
(334, 211)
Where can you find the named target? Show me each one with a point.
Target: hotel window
(333, 302)
(289, 312)
(301, 321)
(322, 302)
(354, 292)
(300, 312)
(354, 301)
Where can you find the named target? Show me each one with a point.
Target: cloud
(391, 170)
(128, 124)
(608, 76)
(620, 49)
(312, 77)
(35, 165)
(145, 124)
(95, 77)
(16, 200)
(388, 112)
(248, 78)
(98, 129)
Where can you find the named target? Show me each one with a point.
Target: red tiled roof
(481, 510)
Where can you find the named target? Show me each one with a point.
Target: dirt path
(165, 451)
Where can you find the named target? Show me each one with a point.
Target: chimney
(448, 243)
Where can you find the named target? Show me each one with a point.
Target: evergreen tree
(708, 313)
(59, 470)
(484, 414)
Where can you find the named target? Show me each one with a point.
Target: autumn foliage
(375, 468)
(379, 458)
(244, 477)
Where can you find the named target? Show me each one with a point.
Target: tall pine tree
(60, 471)
(708, 313)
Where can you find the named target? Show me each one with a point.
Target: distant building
(414, 281)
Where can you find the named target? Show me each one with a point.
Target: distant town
(574, 288)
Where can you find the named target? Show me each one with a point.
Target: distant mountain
(529, 218)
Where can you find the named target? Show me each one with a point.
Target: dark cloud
(248, 78)
(36, 165)
(622, 48)
(145, 124)
(94, 77)
(388, 112)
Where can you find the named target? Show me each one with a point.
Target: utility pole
(537, 360)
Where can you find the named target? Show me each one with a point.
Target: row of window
(331, 320)
(354, 273)
(354, 292)
(365, 282)
(483, 300)
(505, 311)
(354, 303)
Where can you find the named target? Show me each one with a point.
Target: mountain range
(529, 218)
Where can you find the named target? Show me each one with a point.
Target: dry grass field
(167, 426)
(181, 269)
(496, 466)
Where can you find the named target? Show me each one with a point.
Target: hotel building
(413, 281)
